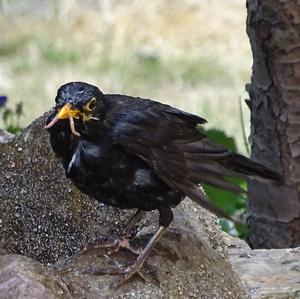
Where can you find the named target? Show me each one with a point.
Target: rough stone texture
(44, 218)
(5, 136)
(21, 277)
(268, 274)
(273, 27)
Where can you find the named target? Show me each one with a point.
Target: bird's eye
(90, 106)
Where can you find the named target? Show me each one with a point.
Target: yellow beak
(66, 112)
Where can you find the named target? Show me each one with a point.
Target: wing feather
(169, 141)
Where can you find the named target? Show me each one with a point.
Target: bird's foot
(126, 272)
(113, 246)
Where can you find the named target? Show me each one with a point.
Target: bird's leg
(123, 240)
(166, 217)
(136, 267)
(131, 223)
(119, 242)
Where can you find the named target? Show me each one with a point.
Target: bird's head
(77, 101)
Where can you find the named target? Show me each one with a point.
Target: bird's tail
(213, 165)
(245, 166)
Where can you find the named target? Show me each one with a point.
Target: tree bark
(273, 212)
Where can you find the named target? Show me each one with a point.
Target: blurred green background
(193, 54)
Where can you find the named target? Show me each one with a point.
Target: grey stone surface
(5, 136)
(47, 221)
(267, 274)
(23, 278)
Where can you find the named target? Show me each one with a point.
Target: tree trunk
(273, 27)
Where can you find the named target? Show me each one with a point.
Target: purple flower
(3, 100)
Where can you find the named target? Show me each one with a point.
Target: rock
(46, 218)
(268, 273)
(47, 221)
(21, 277)
(5, 136)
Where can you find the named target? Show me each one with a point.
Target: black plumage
(140, 154)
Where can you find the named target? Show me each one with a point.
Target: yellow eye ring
(91, 105)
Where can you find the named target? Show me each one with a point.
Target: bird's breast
(88, 164)
(112, 176)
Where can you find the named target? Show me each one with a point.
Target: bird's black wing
(168, 140)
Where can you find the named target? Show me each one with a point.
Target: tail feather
(199, 197)
(186, 166)
(252, 169)
(211, 164)
(214, 179)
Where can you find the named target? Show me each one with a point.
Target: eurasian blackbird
(135, 153)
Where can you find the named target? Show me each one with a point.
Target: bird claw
(129, 271)
(126, 271)
(114, 246)
(124, 243)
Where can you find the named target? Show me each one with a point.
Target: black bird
(135, 153)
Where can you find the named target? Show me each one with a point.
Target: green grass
(21, 66)
(205, 69)
(60, 55)
(12, 46)
(156, 71)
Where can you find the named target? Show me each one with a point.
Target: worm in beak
(66, 112)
